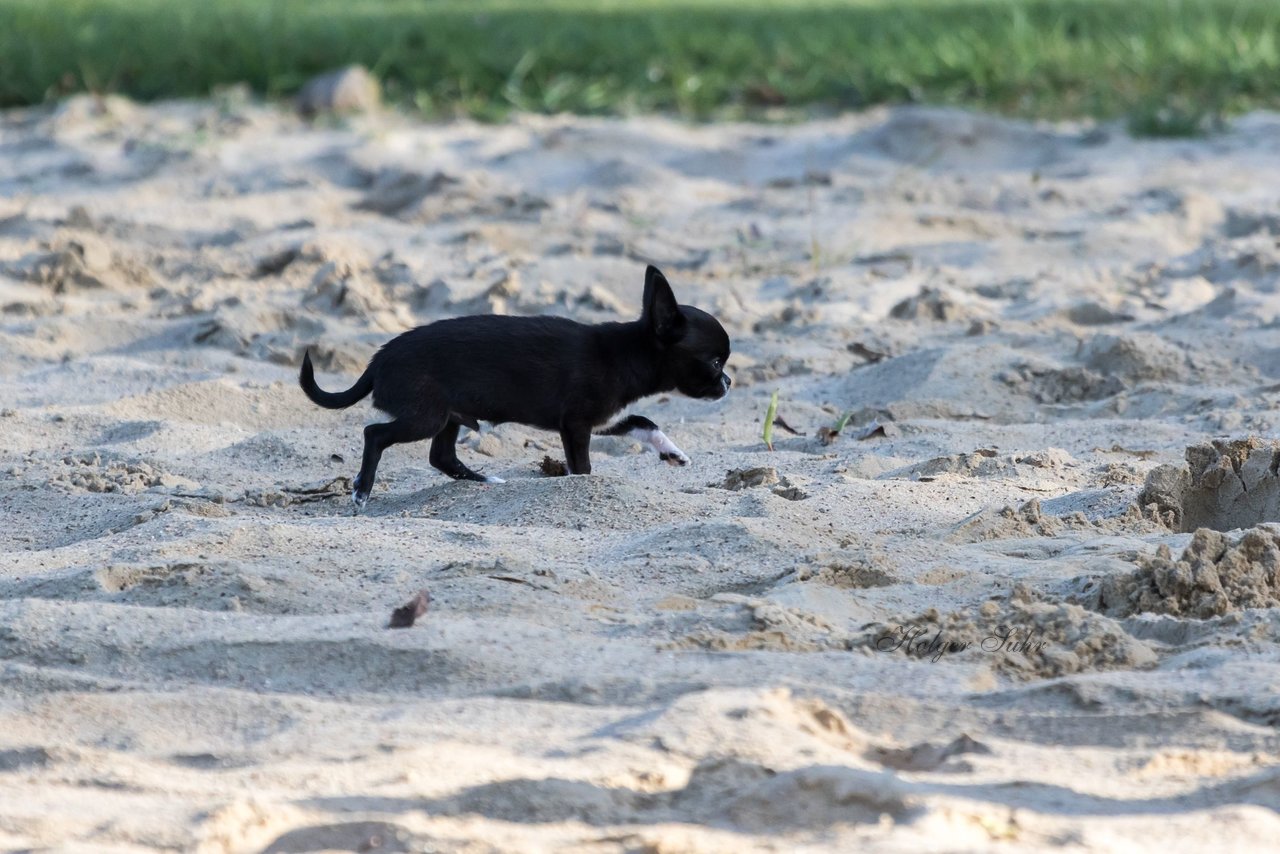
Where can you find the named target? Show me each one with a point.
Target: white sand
(193, 650)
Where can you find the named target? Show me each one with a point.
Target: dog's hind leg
(379, 437)
(647, 433)
(444, 454)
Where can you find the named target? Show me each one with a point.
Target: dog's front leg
(576, 440)
(647, 433)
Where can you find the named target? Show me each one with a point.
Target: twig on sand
(777, 419)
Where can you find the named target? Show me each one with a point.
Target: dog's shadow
(575, 502)
(428, 500)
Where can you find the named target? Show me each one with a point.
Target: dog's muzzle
(725, 382)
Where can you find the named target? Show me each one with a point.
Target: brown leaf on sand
(404, 616)
(553, 468)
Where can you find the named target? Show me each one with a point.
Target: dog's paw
(676, 458)
(359, 498)
(493, 479)
(666, 449)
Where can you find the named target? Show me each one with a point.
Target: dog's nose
(727, 380)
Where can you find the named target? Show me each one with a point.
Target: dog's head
(692, 345)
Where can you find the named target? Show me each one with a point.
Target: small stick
(785, 426)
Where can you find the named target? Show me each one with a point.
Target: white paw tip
(492, 479)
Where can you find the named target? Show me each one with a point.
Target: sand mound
(1022, 638)
(1250, 260)
(937, 305)
(930, 756)
(922, 381)
(99, 515)
(984, 462)
(748, 780)
(939, 138)
(1226, 484)
(316, 654)
(85, 262)
(749, 724)
(851, 569)
(90, 473)
(1027, 520)
(194, 584)
(1134, 358)
(736, 480)
(393, 191)
(217, 402)
(707, 558)
(743, 796)
(338, 289)
(1067, 385)
(765, 626)
(278, 336)
(756, 799)
(494, 290)
(1006, 384)
(381, 836)
(1108, 510)
(1215, 575)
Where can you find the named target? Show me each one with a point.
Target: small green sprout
(768, 421)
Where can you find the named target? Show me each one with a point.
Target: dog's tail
(332, 399)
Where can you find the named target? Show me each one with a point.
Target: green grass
(1172, 66)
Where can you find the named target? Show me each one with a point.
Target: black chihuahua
(547, 372)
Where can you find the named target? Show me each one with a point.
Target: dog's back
(488, 368)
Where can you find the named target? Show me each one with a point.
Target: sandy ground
(972, 628)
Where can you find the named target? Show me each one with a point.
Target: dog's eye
(717, 364)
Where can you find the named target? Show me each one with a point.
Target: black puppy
(548, 372)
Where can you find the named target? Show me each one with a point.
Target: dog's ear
(661, 312)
